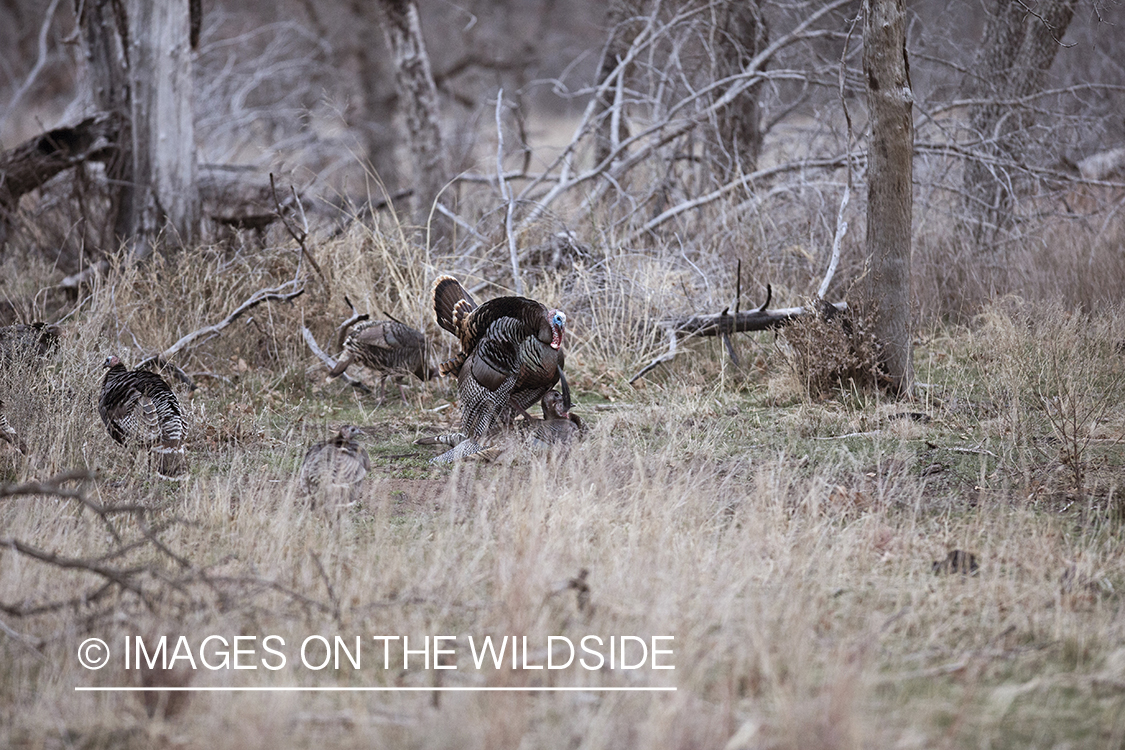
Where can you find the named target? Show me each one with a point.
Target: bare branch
(841, 225)
(506, 195)
(342, 331)
(287, 291)
(301, 236)
(330, 363)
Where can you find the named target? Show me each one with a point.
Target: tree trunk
(163, 142)
(886, 297)
(611, 128)
(419, 100)
(139, 66)
(741, 35)
(106, 74)
(1017, 50)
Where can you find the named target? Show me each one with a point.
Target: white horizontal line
(337, 689)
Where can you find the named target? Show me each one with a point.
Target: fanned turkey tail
(451, 301)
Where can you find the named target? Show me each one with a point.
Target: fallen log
(725, 323)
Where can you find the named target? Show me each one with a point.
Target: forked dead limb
(725, 323)
(342, 331)
(287, 291)
(330, 363)
(300, 236)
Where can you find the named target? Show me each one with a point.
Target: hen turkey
(510, 355)
(389, 348)
(140, 409)
(335, 468)
(7, 434)
(558, 426)
(27, 340)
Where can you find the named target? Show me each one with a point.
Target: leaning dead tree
(31, 164)
(885, 298)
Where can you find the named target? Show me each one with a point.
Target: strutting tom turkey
(140, 410)
(511, 353)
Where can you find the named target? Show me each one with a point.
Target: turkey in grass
(8, 435)
(387, 347)
(335, 468)
(510, 355)
(140, 410)
(558, 426)
(25, 341)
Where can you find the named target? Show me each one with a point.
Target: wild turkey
(24, 341)
(511, 354)
(7, 434)
(139, 409)
(387, 347)
(558, 426)
(957, 561)
(335, 468)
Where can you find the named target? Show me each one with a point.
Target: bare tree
(103, 31)
(1019, 45)
(419, 101)
(139, 65)
(741, 34)
(163, 135)
(886, 298)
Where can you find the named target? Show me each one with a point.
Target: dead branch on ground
(330, 363)
(283, 293)
(725, 323)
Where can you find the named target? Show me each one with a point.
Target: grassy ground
(785, 539)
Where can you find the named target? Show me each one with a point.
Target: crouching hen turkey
(511, 354)
(389, 348)
(335, 468)
(558, 426)
(140, 410)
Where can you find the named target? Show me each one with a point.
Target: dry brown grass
(791, 563)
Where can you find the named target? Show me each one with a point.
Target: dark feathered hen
(558, 426)
(387, 347)
(511, 354)
(7, 434)
(27, 340)
(335, 468)
(140, 410)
